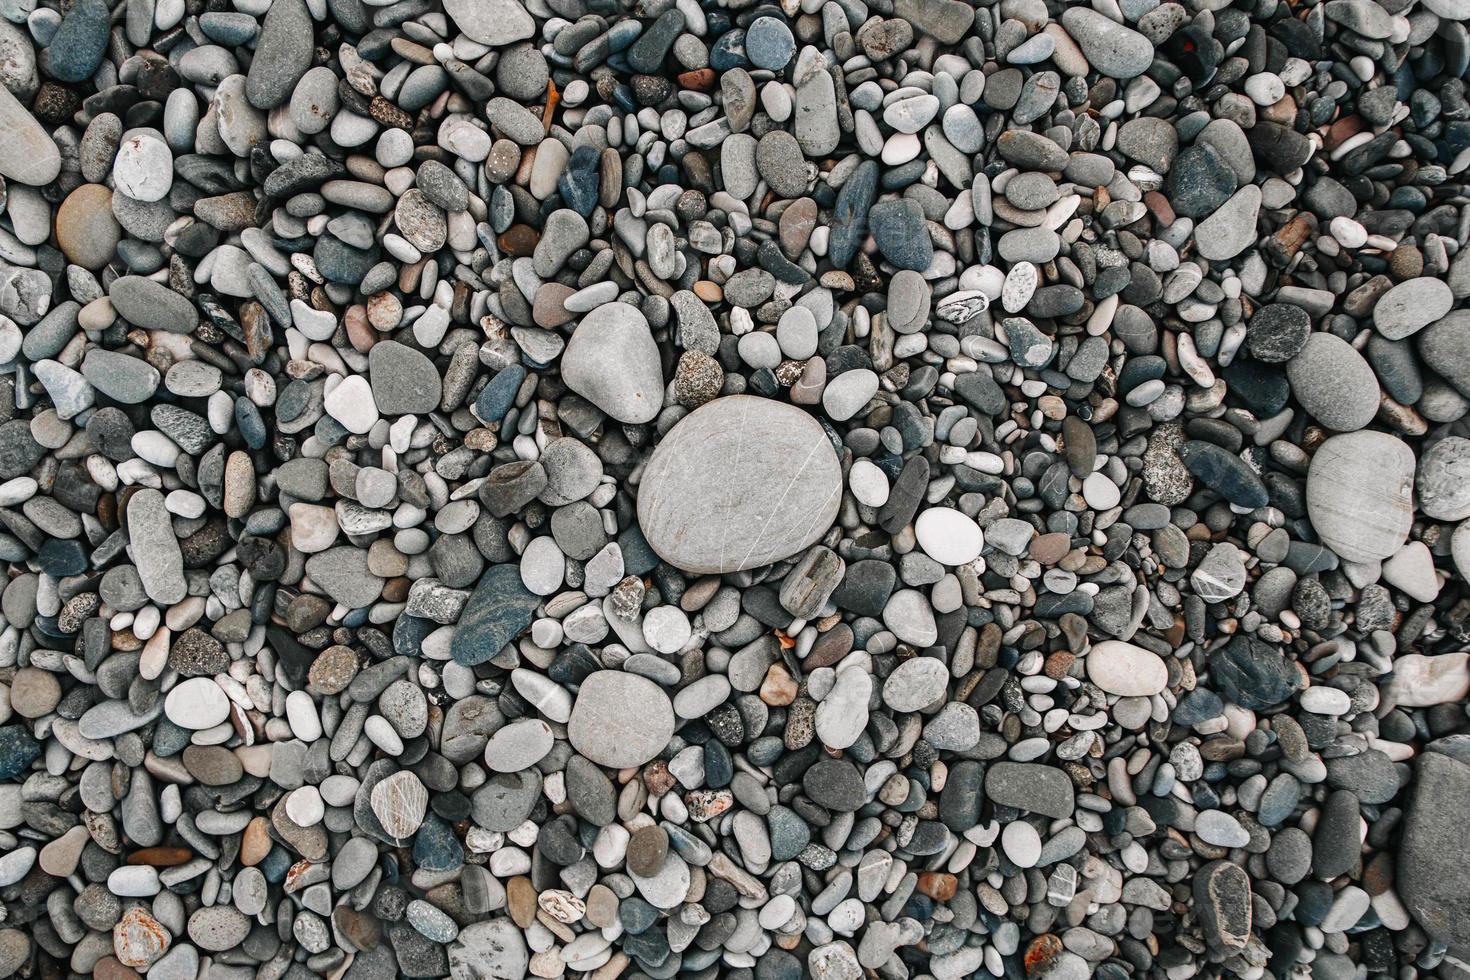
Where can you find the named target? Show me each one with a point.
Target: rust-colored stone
(139, 939)
(518, 240)
(700, 80)
(161, 857)
(1042, 953)
(938, 885)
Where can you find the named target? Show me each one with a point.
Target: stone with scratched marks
(739, 483)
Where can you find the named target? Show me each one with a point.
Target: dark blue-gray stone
(500, 394)
(1224, 472)
(636, 915)
(1200, 180)
(729, 52)
(579, 182)
(1262, 388)
(646, 55)
(435, 848)
(500, 608)
(1336, 847)
(1434, 849)
(777, 964)
(850, 214)
(789, 833)
(981, 391)
(898, 228)
(77, 48)
(1032, 787)
(959, 801)
(1371, 775)
(18, 749)
(1252, 674)
(638, 557)
(282, 55)
(1279, 800)
(340, 262)
(1199, 705)
(769, 43)
(835, 784)
(60, 558)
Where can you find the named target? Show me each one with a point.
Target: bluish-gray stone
(498, 610)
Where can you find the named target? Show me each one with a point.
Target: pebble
(613, 362)
(948, 536)
(1334, 383)
(1125, 669)
(197, 703)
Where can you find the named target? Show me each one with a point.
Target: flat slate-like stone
(1232, 227)
(1030, 786)
(1434, 849)
(497, 612)
(154, 548)
(152, 305)
(283, 53)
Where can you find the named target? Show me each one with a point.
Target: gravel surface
(838, 489)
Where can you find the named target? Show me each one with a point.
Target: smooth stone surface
(620, 719)
(948, 536)
(28, 154)
(613, 362)
(1334, 383)
(1360, 494)
(1231, 228)
(738, 483)
(1125, 669)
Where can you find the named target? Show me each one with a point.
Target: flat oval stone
(152, 305)
(1411, 306)
(738, 483)
(1126, 670)
(197, 703)
(620, 719)
(1232, 227)
(283, 54)
(217, 928)
(1360, 494)
(948, 536)
(1113, 49)
(1334, 383)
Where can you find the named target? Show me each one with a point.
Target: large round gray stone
(1360, 494)
(620, 719)
(739, 483)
